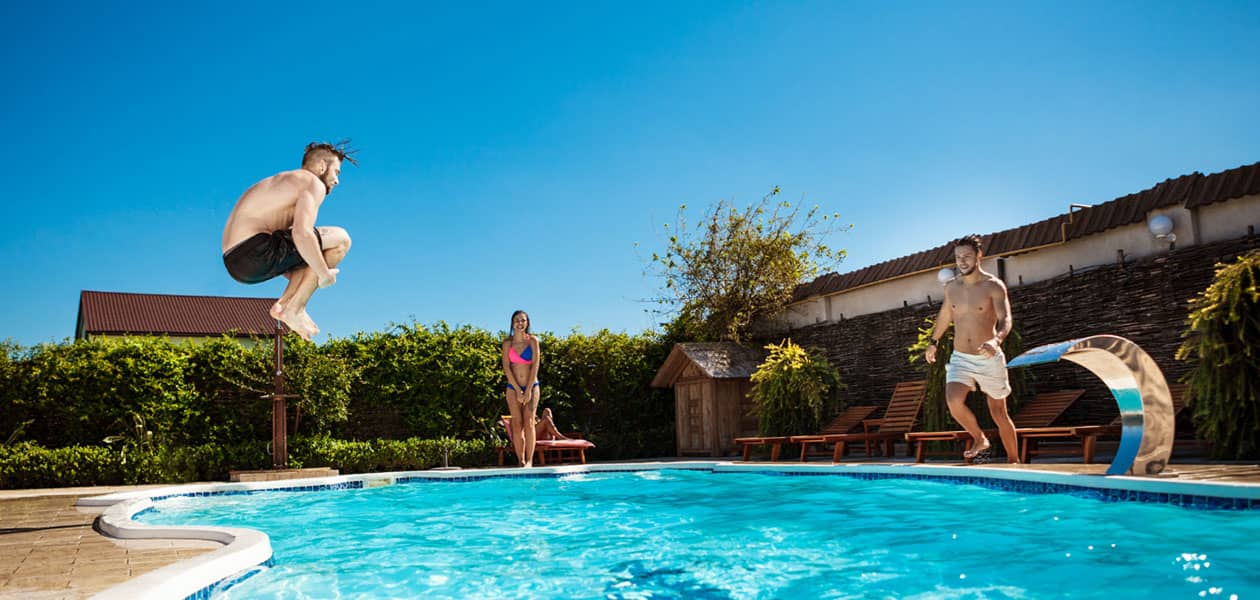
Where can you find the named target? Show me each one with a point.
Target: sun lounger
(1087, 434)
(1039, 412)
(844, 422)
(899, 418)
(559, 450)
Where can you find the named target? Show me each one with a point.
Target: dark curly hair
(320, 150)
(972, 240)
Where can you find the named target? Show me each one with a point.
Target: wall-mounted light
(1161, 227)
(944, 275)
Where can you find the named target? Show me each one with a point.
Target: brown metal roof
(1193, 190)
(118, 313)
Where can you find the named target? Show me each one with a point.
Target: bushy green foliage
(793, 390)
(229, 379)
(598, 384)
(935, 415)
(436, 380)
(185, 411)
(81, 392)
(739, 266)
(28, 465)
(348, 456)
(1222, 340)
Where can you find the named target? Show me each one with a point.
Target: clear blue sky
(513, 153)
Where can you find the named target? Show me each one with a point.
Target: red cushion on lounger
(566, 443)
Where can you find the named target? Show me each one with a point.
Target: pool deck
(50, 549)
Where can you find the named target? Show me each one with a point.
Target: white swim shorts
(971, 370)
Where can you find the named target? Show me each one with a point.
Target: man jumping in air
(272, 231)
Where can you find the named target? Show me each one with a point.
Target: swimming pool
(702, 534)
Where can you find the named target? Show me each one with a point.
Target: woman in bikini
(520, 366)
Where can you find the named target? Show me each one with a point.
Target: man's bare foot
(298, 321)
(528, 465)
(308, 322)
(981, 447)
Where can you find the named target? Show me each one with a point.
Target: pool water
(696, 534)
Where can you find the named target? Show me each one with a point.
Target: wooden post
(279, 412)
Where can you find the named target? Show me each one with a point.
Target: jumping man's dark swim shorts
(264, 256)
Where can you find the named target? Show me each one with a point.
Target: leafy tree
(740, 266)
(1222, 340)
(793, 389)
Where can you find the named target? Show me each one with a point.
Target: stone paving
(48, 548)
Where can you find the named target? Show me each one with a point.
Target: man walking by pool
(977, 304)
(272, 231)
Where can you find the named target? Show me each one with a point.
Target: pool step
(281, 474)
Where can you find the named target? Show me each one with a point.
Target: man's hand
(930, 354)
(990, 348)
(331, 279)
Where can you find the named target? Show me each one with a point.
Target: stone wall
(1145, 301)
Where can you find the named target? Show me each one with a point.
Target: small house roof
(717, 360)
(119, 313)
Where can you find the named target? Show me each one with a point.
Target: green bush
(793, 390)
(168, 399)
(28, 465)
(600, 385)
(78, 393)
(1222, 340)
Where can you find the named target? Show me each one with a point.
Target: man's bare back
(272, 232)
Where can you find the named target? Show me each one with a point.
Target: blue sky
(512, 154)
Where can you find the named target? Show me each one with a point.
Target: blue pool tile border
(1040, 487)
(345, 485)
(225, 584)
(1008, 485)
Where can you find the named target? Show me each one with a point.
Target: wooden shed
(711, 385)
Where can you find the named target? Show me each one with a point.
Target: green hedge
(413, 381)
(28, 465)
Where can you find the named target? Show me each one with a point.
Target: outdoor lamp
(1161, 227)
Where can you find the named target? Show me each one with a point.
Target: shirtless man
(976, 302)
(272, 231)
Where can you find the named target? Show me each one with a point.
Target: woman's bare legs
(529, 409)
(516, 425)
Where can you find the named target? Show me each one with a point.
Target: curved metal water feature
(1141, 392)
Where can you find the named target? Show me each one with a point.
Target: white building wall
(1212, 223)
(1228, 220)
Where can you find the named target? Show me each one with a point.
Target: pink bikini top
(523, 358)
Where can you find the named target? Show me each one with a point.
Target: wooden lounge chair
(1088, 434)
(844, 422)
(899, 418)
(560, 450)
(1041, 411)
(775, 442)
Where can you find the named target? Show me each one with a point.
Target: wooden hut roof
(717, 360)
